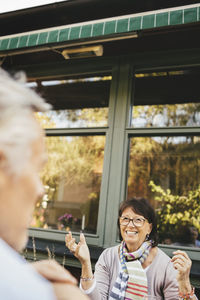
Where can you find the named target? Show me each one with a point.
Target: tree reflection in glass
(72, 180)
(166, 170)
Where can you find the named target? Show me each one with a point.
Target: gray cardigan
(161, 276)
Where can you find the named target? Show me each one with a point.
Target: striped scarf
(131, 283)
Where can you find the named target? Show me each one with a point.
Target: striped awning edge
(100, 28)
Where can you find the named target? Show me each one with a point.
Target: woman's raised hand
(182, 263)
(79, 250)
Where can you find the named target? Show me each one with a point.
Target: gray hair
(17, 125)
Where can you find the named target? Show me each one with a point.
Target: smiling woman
(136, 268)
(132, 234)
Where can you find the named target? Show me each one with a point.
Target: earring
(147, 237)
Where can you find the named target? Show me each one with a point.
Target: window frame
(159, 61)
(75, 69)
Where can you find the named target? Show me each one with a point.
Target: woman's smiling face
(133, 235)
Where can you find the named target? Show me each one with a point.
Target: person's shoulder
(161, 253)
(21, 282)
(109, 258)
(162, 257)
(9, 256)
(164, 262)
(162, 265)
(111, 250)
(110, 253)
(18, 279)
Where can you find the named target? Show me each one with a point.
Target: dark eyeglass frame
(122, 220)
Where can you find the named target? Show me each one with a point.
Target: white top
(19, 280)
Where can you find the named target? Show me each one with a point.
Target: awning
(104, 29)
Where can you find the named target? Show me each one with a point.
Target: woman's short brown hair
(142, 207)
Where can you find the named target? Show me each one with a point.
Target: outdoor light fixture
(82, 52)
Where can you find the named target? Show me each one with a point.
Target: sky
(11, 5)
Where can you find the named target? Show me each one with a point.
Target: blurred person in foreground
(137, 267)
(22, 155)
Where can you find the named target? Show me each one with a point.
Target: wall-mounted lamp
(81, 52)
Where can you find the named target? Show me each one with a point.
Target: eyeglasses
(138, 222)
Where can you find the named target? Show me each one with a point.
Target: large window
(164, 153)
(76, 136)
(166, 170)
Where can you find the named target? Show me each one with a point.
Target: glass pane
(72, 118)
(72, 180)
(77, 102)
(167, 98)
(166, 170)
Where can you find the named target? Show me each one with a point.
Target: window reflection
(166, 115)
(77, 101)
(188, 236)
(166, 98)
(72, 118)
(72, 180)
(166, 170)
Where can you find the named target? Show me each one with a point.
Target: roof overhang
(74, 11)
(115, 28)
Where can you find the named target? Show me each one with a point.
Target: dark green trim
(76, 131)
(68, 68)
(108, 28)
(172, 131)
